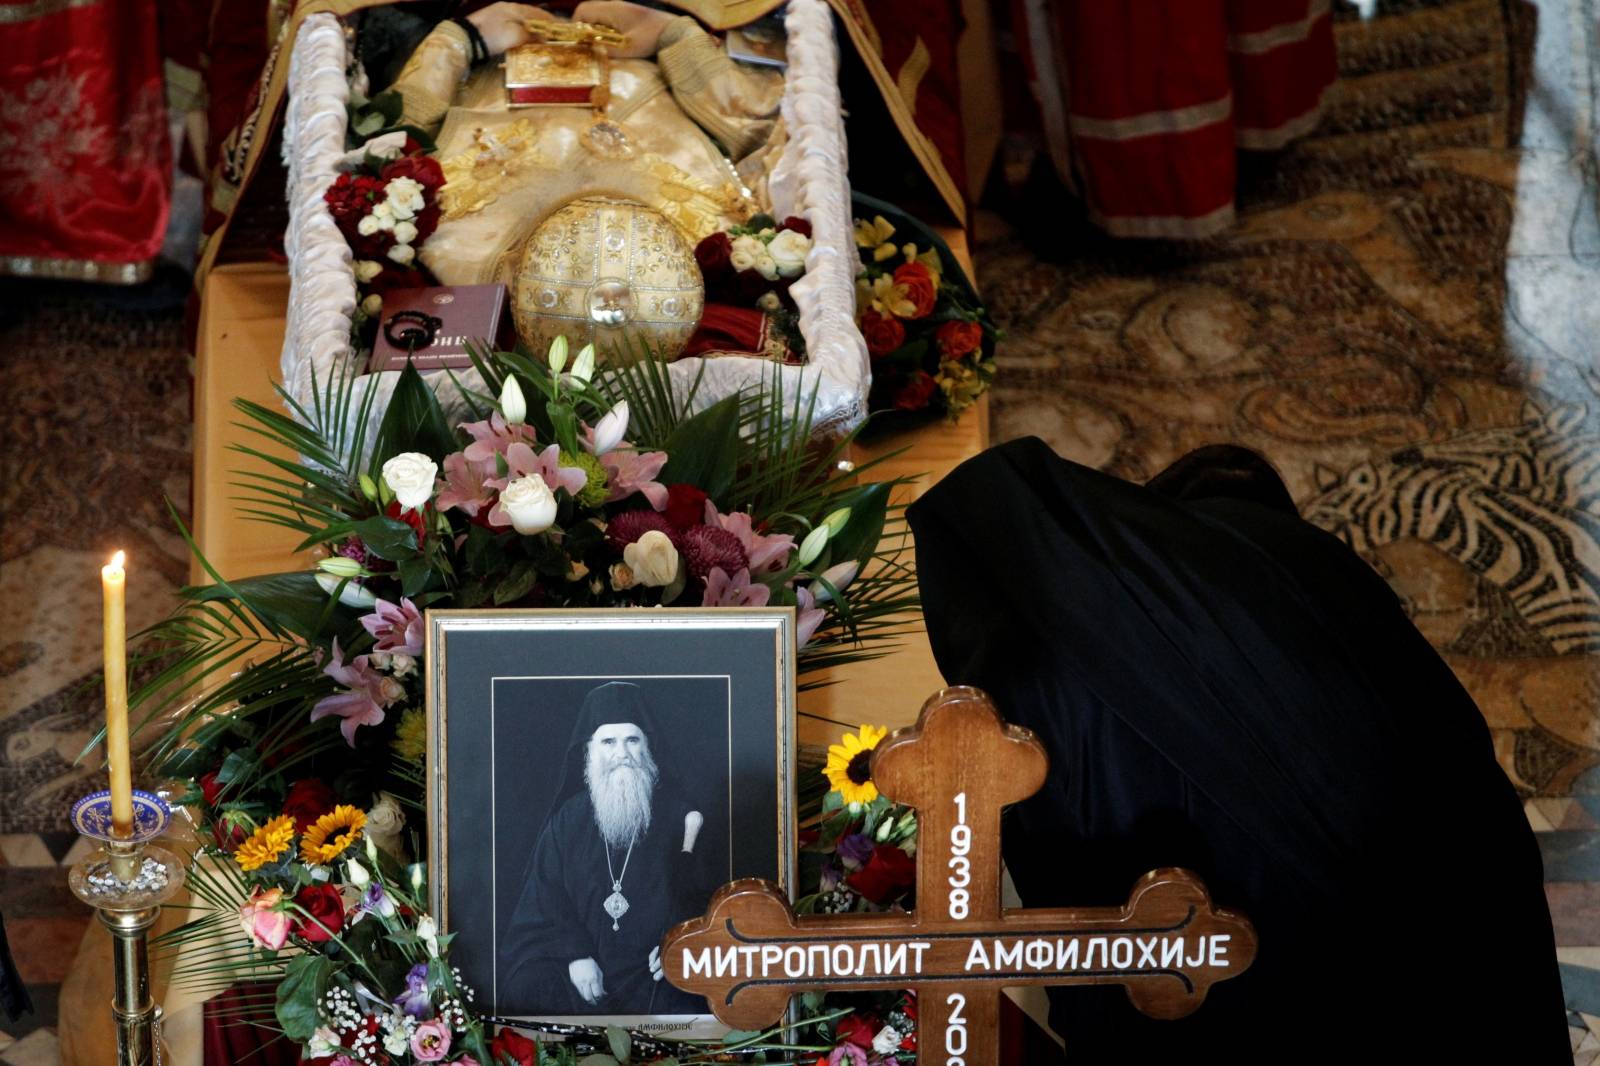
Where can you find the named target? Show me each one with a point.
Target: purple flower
(832, 874)
(767, 553)
(414, 1000)
(367, 694)
(374, 901)
(629, 471)
(808, 617)
(735, 591)
(464, 484)
(847, 1053)
(395, 628)
(855, 850)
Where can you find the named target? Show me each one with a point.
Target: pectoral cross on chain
(958, 766)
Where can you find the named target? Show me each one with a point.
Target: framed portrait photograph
(594, 776)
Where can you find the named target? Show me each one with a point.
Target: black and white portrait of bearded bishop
(619, 860)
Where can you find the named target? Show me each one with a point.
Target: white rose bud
(788, 249)
(887, 1040)
(368, 225)
(745, 252)
(401, 664)
(410, 475)
(384, 213)
(428, 933)
(530, 503)
(741, 260)
(367, 269)
(513, 404)
(768, 301)
(653, 559)
(372, 306)
(403, 254)
(767, 267)
(622, 578)
(405, 232)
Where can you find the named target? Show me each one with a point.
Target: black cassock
(1224, 687)
(561, 915)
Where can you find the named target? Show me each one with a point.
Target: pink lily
(735, 591)
(768, 553)
(522, 460)
(396, 628)
(493, 437)
(630, 471)
(462, 486)
(367, 694)
(808, 617)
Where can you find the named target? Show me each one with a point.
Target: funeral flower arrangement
(300, 727)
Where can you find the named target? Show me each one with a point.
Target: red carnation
(629, 526)
(308, 800)
(714, 254)
(856, 1030)
(887, 876)
(686, 506)
(798, 224)
(958, 338)
(884, 333)
(919, 288)
(916, 392)
(706, 547)
(509, 1045)
(324, 915)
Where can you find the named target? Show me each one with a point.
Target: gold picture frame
(512, 834)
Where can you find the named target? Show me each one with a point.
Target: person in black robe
(585, 934)
(1224, 687)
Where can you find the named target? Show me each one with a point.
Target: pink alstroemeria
(464, 484)
(847, 1055)
(768, 553)
(629, 471)
(735, 591)
(493, 437)
(808, 617)
(395, 628)
(368, 693)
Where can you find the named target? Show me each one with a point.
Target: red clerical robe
(84, 149)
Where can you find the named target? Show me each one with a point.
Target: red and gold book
(554, 73)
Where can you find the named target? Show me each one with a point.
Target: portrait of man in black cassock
(622, 856)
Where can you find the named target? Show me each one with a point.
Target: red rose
(210, 788)
(308, 800)
(350, 197)
(856, 1030)
(919, 287)
(884, 333)
(422, 169)
(957, 338)
(324, 909)
(686, 506)
(509, 1045)
(714, 254)
(916, 392)
(886, 876)
(412, 518)
(796, 223)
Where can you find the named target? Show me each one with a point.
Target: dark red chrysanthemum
(629, 526)
(707, 547)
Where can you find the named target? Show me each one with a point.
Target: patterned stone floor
(1404, 321)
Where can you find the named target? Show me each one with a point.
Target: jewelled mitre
(608, 271)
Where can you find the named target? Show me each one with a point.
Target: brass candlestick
(126, 880)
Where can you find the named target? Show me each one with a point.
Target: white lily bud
(613, 426)
(428, 933)
(558, 354)
(812, 546)
(513, 404)
(357, 873)
(351, 594)
(837, 521)
(341, 566)
(583, 366)
(839, 575)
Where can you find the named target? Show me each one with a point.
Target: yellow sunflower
(266, 844)
(315, 847)
(849, 766)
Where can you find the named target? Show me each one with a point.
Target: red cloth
(729, 330)
(1144, 102)
(84, 148)
(232, 1036)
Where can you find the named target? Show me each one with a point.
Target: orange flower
(919, 287)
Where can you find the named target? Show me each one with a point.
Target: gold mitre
(608, 271)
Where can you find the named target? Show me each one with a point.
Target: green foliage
(305, 979)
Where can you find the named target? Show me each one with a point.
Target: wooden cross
(958, 766)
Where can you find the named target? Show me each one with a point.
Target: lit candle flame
(117, 561)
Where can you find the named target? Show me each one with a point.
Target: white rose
(748, 244)
(367, 269)
(410, 475)
(404, 190)
(887, 1040)
(383, 211)
(372, 305)
(746, 251)
(385, 822)
(788, 249)
(530, 504)
(391, 690)
(368, 225)
(402, 254)
(767, 267)
(653, 559)
(405, 232)
(401, 664)
(324, 1042)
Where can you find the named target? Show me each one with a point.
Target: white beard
(621, 799)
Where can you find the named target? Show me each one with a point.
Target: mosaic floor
(1404, 322)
